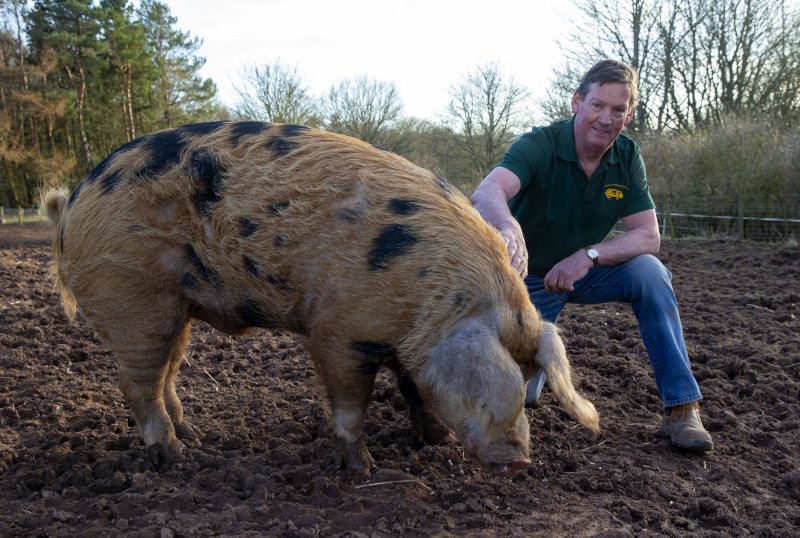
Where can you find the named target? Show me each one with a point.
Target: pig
(373, 261)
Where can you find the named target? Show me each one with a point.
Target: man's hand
(563, 276)
(517, 251)
(491, 200)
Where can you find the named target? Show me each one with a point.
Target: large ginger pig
(373, 260)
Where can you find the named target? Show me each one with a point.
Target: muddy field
(72, 464)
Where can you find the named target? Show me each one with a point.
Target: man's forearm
(628, 245)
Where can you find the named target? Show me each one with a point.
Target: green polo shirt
(558, 208)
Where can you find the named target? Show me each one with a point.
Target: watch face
(593, 253)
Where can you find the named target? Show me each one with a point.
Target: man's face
(600, 115)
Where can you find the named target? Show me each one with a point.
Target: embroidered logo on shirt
(614, 194)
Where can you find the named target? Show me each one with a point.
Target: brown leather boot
(683, 426)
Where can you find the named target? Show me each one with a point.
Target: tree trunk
(81, 104)
(129, 102)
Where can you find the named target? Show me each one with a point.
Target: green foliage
(742, 160)
(89, 77)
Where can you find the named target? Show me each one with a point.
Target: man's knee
(649, 268)
(648, 273)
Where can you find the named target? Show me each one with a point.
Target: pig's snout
(504, 456)
(509, 468)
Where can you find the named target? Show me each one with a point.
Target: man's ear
(629, 116)
(576, 102)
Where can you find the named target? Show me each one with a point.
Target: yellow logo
(615, 194)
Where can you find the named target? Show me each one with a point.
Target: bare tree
(486, 112)
(275, 93)
(698, 60)
(364, 108)
(556, 103)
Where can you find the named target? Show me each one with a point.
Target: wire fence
(21, 215)
(729, 217)
(710, 217)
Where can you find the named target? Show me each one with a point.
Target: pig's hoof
(428, 429)
(187, 433)
(159, 453)
(353, 456)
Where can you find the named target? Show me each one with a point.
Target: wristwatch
(593, 255)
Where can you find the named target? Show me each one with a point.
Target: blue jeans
(647, 285)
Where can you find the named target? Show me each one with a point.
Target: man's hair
(606, 71)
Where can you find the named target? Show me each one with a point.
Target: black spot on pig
(111, 180)
(424, 272)
(520, 321)
(372, 355)
(403, 207)
(75, 192)
(61, 239)
(282, 283)
(209, 177)
(101, 169)
(247, 227)
(165, 152)
(281, 240)
(251, 266)
(281, 146)
(202, 128)
(276, 208)
(279, 282)
(394, 240)
(241, 129)
(461, 300)
(206, 273)
(291, 129)
(252, 314)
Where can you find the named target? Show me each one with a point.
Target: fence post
(740, 218)
(668, 219)
(20, 213)
(2, 215)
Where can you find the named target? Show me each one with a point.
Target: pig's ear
(470, 371)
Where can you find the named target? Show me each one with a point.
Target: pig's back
(295, 224)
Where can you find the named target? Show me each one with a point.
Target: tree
(486, 112)
(363, 108)
(70, 29)
(275, 93)
(178, 94)
(127, 51)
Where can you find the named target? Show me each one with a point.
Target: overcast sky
(423, 46)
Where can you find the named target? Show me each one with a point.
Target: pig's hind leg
(147, 371)
(148, 336)
(183, 429)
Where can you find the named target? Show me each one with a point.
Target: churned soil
(72, 462)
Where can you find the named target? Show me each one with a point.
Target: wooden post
(21, 214)
(669, 224)
(2, 215)
(740, 219)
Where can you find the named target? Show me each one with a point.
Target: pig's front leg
(348, 389)
(427, 428)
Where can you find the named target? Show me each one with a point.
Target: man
(556, 195)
